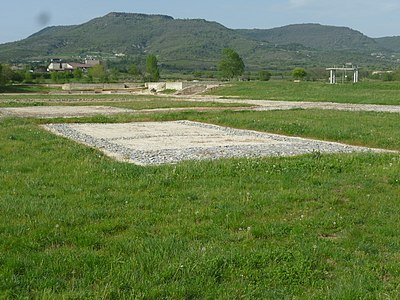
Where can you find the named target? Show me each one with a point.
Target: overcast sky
(375, 18)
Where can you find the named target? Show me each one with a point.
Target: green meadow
(75, 224)
(136, 104)
(366, 92)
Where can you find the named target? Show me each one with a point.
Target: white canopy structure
(347, 68)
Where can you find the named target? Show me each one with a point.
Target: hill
(315, 36)
(174, 41)
(195, 43)
(392, 43)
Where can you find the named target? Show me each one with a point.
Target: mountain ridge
(315, 35)
(197, 43)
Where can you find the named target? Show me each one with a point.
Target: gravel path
(61, 111)
(286, 105)
(84, 111)
(256, 105)
(153, 143)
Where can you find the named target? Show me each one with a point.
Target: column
(355, 76)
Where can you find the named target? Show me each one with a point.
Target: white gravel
(61, 111)
(260, 105)
(153, 143)
(257, 105)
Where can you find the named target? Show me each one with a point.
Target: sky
(374, 18)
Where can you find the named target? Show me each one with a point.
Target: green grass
(368, 92)
(25, 88)
(168, 91)
(371, 129)
(76, 224)
(130, 103)
(72, 97)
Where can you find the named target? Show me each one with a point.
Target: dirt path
(85, 111)
(256, 105)
(260, 105)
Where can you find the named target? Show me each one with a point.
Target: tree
(231, 64)
(153, 73)
(39, 78)
(99, 72)
(264, 75)
(114, 74)
(299, 73)
(28, 76)
(133, 70)
(6, 74)
(55, 77)
(2, 78)
(197, 74)
(18, 76)
(66, 76)
(78, 74)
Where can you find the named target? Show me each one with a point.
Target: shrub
(299, 73)
(264, 75)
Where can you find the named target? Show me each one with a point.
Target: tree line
(230, 67)
(98, 73)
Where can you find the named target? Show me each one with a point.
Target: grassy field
(75, 224)
(132, 102)
(368, 92)
(70, 99)
(28, 88)
(89, 97)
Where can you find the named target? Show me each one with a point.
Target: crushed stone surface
(256, 105)
(154, 143)
(61, 111)
(260, 105)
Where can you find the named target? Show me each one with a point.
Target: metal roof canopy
(333, 71)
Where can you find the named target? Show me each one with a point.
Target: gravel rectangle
(152, 143)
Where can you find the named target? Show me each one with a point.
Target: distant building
(92, 62)
(381, 72)
(57, 65)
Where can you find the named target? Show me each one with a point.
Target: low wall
(99, 86)
(156, 86)
(178, 85)
(174, 86)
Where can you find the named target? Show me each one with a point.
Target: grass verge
(136, 104)
(76, 224)
(368, 92)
